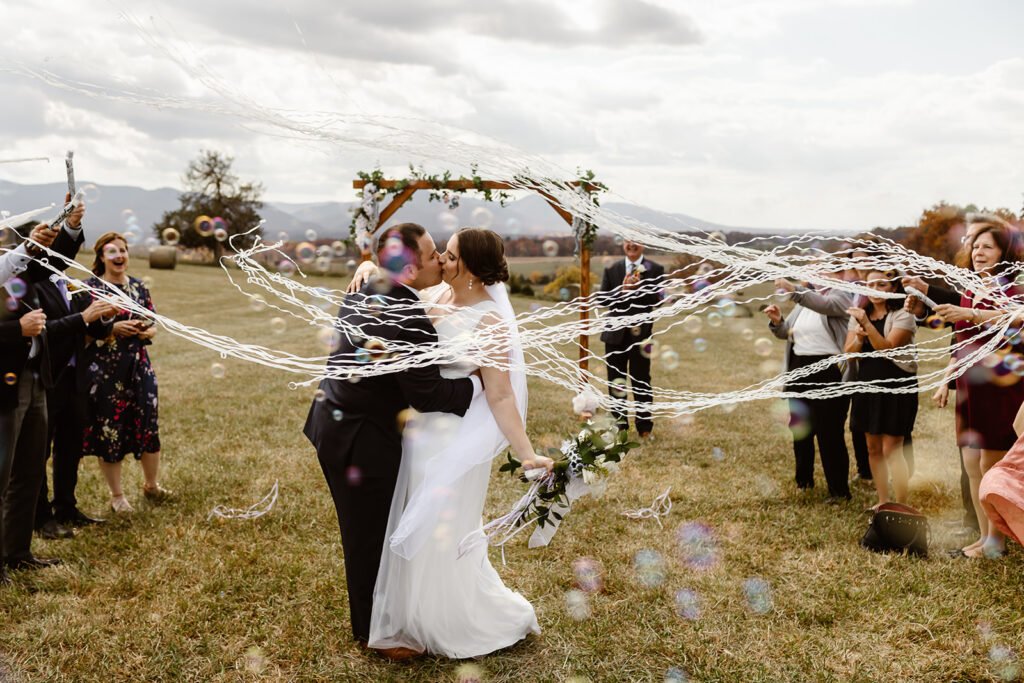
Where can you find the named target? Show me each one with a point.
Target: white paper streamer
(252, 512)
(661, 506)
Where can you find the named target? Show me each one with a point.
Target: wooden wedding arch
(412, 186)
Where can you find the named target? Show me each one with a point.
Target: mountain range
(111, 207)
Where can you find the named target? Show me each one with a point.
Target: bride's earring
(471, 283)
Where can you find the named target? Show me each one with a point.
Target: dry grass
(168, 595)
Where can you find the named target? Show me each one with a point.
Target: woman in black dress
(879, 325)
(122, 384)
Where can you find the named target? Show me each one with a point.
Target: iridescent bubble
(758, 594)
(618, 240)
(700, 284)
(351, 266)
(110, 252)
(513, 225)
(286, 267)
(534, 307)
(10, 379)
(933, 321)
(1004, 663)
(717, 236)
(90, 193)
(649, 348)
(763, 347)
(715, 319)
(688, 604)
(697, 545)
(323, 264)
(692, 324)
(577, 604)
(219, 222)
(128, 216)
(481, 217)
(337, 415)
(700, 344)
(217, 371)
(469, 673)
(170, 236)
(12, 303)
(799, 418)
(329, 339)
(728, 408)
(305, 252)
(131, 237)
(151, 243)
(148, 282)
(686, 419)
(283, 236)
(255, 662)
(588, 574)
(338, 249)
(670, 359)
(674, 674)
(203, 225)
(319, 395)
(16, 287)
(220, 234)
(550, 248)
(618, 387)
(747, 334)
(448, 221)
(727, 307)
(354, 475)
(564, 294)
(277, 325)
(717, 454)
(257, 303)
(311, 235)
(649, 567)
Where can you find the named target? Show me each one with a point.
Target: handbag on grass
(895, 527)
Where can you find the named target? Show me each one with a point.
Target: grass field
(170, 595)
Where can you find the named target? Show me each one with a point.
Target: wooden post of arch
(413, 185)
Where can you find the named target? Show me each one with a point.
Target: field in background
(169, 594)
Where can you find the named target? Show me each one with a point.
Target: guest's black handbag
(895, 527)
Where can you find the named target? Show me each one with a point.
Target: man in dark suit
(25, 368)
(626, 289)
(69, 317)
(354, 425)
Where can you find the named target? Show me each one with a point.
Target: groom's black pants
(363, 504)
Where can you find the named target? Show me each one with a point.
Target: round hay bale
(165, 258)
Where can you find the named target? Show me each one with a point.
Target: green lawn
(169, 594)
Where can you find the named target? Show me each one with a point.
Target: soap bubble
(649, 348)
(10, 379)
(933, 321)
(763, 347)
(90, 193)
(319, 395)
(217, 370)
(338, 249)
(577, 604)
(323, 264)
(564, 293)
(448, 221)
(203, 225)
(727, 307)
(257, 303)
(220, 234)
(311, 235)
(305, 252)
(337, 415)
(17, 287)
(618, 240)
(687, 604)
(588, 574)
(692, 324)
(676, 675)
(481, 217)
(700, 344)
(286, 267)
(283, 236)
(700, 284)
(697, 545)
(650, 568)
(717, 454)
(351, 266)
(131, 237)
(550, 248)
(469, 673)
(747, 334)
(758, 595)
(670, 359)
(329, 339)
(255, 662)
(277, 325)
(715, 319)
(170, 236)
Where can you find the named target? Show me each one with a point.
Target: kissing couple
(407, 494)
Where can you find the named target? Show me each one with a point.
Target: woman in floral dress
(122, 384)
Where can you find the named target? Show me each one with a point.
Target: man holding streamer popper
(25, 371)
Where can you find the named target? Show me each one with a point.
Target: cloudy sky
(814, 114)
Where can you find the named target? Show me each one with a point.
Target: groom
(355, 426)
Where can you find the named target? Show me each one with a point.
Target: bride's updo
(483, 252)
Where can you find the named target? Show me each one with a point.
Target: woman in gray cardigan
(814, 331)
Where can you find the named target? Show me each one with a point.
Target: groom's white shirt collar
(639, 262)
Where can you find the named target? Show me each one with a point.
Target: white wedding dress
(427, 597)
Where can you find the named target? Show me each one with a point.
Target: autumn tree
(214, 192)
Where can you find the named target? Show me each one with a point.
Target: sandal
(157, 493)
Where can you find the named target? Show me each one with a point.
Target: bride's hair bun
(483, 252)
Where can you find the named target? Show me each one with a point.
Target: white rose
(590, 476)
(585, 402)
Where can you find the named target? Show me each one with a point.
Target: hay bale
(165, 258)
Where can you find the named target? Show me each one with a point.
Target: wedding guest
(860, 258)
(1001, 493)
(881, 324)
(69, 317)
(25, 373)
(627, 289)
(988, 406)
(122, 387)
(814, 332)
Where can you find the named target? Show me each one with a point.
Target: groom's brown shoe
(399, 654)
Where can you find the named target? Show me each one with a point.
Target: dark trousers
(626, 360)
(826, 423)
(66, 418)
(20, 476)
(363, 504)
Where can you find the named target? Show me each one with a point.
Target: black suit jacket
(14, 348)
(629, 302)
(370, 407)
(66, 330)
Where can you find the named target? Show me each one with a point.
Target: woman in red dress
(988, 393)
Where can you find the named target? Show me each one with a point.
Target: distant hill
(527, 217)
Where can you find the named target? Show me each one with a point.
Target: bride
(427, 597)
